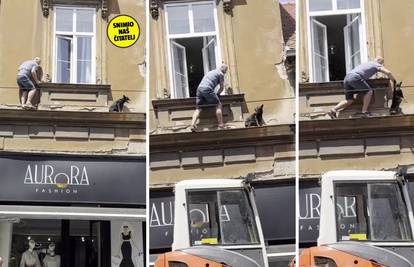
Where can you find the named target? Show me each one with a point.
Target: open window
(336, 38)
(74, 38)
(193, 44)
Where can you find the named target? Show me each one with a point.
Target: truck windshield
(223, 217)
(371, 212)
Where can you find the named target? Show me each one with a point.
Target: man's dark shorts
(206, 97)
(25, 83)
(354, 84)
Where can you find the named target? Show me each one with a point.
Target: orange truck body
(178, 257)
(334, 258)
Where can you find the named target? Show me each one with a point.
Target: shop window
(74, 39)
(74, 243)
(192, 37)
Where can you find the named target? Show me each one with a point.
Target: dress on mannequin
(30, 257)
(126, 250)
(51, 259)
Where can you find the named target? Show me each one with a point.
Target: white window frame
(190, 35)
(74, 34)
(336, 11)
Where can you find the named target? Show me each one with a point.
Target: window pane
(179, 70)
(372, 212)
(84, 60)
(203, 17)
(84, 20)
(178, 21)
(348, 4)
(64, 19)
(320, 5)
(209, 53)
(63, 60)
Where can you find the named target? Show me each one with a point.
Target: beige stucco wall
(251, 48)
(23, 39)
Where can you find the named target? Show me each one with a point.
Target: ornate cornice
(398, 125)
(45, 7)
(104, 9)
(154, 9)
(227, 6)
(272, 134)
(46, 4)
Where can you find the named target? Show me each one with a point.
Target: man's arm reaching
(388, 73)
(221, 88)
(34, 75)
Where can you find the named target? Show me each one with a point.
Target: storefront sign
(72, 180)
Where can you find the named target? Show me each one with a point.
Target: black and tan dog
(256, 119)
(397, 98)
(118, 106)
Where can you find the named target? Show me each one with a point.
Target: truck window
(176, 264)
(324, 262)
(371, 212)
(222, 217)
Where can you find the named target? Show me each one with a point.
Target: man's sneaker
(366, 114)
(193, 128)
(221, 127)
(332, 114)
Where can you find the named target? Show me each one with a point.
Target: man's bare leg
(219, 115)
(196, 115)
(366, 101)
(23, 98)
(343, 105)
(30, 96)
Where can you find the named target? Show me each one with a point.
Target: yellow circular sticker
(123, 31)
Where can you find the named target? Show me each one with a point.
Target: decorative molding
(154, 6)
(45, 7)
(71, 118)
(104, 9)
(227, 6)
(46, 4)
(229, 138)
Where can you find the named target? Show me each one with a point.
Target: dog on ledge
(118, 106)
(256, 119)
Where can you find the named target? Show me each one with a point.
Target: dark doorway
(336, 45)
(194, 55)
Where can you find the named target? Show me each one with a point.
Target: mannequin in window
(126, 247)
(51, 259)
(30, 257)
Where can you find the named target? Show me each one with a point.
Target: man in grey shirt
(207, 96)
(25, 77)
(356, 81)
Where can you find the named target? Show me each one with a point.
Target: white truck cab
(367, 206)
(221, 213)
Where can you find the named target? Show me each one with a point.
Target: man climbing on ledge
(207, 96)
(356, 81)
(25, 77)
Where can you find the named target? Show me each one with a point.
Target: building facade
(72, 173)
(336, 36)
(184, 45)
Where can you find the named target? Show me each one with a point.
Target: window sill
(316, 99)
(171, 113)
(335, 87)
(85, 95)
